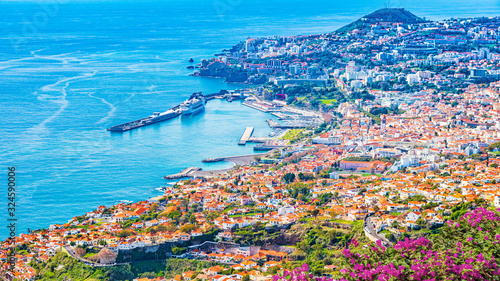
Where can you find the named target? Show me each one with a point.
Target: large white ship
(194, 104)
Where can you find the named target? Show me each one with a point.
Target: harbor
(287, 118)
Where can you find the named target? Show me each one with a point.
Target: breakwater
(183, 174)
(157, 116)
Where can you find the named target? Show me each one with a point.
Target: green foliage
(469, 241)
(321, 128)
(299, 188)
(177, 266)
(459, 210)
(306, 177)
(493, 146)
(124, 233)
(289, 177)
(364, 95)
(175, 215)
(187, 228)
(178, 250)
(362, 159)
(212, 215)
(311, 95)
(294, 135)
(74, 270)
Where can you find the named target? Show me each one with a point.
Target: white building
(412, 78)
(286, 210)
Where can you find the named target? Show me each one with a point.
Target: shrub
(465, 249)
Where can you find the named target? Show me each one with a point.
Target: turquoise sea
(70, 69)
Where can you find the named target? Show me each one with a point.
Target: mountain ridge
(391, 15)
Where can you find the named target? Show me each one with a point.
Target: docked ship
(193, 105)
(155, 118)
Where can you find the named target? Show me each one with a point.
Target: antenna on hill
(388, 4)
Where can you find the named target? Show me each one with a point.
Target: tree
(192, 219)
(315, 213)
(289, 177)
(124, 233)
(187, 228)
(120, 273)
(149, 275)
(177, 251)
(246, 277)
(174, 215)
(211, 216)
(305, 177)
(154, 207)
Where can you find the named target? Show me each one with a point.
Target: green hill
(391, 15)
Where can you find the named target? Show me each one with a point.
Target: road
(72, 253)
(371, 229)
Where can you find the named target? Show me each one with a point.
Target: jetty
(183, 174)
(246, 136)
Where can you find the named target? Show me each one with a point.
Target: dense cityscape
(384, 163)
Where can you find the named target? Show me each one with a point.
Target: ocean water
(69, 70)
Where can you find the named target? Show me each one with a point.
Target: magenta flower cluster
(466, 249)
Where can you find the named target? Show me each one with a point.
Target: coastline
(238, 160)
(256, 201)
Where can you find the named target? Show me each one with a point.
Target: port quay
(291, 117)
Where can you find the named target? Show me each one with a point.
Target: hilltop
(390, 15)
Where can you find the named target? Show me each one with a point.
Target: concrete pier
(183, 174)
(246, 136)
(237, 160)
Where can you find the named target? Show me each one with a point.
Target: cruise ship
(194, 104)
(155, 118)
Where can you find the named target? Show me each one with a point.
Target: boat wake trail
(35, 134)
(62, 98)
(111, 112)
